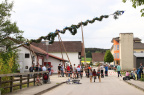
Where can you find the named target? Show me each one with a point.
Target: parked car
(112, 67)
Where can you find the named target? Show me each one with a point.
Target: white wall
(54, 63)
(23, 62)
(73, 56)
(126, 51)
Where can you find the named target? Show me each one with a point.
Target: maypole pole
(83, 44)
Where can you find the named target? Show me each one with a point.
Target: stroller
(45, 78)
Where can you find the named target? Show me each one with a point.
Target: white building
(73, 48)
(29, 55)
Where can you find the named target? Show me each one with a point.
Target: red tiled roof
(71, 46)
(97, 57)
(37, 50)
(40, 51)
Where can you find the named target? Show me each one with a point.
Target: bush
(8, 64)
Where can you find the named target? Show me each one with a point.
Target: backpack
(45, 77)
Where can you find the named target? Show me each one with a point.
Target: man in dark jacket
(31, 70)
(141, 69)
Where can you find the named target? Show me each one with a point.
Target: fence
(21, 76)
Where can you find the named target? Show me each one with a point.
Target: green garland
(73, 28)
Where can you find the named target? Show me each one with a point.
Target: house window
(114, 47)
(117, 55)
(27, 55)
(141, 51)
(117, 47)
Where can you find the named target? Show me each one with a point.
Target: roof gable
(98, 56)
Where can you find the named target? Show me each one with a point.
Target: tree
(136, 3)
(108, 57)
(88, 54)
(8, 28)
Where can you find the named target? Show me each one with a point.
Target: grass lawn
(18, 87)
(87, 59)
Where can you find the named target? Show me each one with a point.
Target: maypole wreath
(73, 28)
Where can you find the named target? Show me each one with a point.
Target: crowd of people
(136, 74)
(45, 75)
(76, 72)
(38, 68)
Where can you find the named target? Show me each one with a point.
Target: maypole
(83, 44)
(73, 28)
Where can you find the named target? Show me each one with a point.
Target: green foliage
(93, 50)
(108, 57)
(88, 54)
(6, 26)
(87, 59)
(136, 3)
(8, 64)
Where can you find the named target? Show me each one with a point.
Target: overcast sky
(39, 17)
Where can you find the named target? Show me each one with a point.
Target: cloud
(39, 17)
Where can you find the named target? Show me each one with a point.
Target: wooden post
(28, 80)
(34, 79)
(20, 81)
(61, 50)
(64, 48)
(11, 83)
(83, 45)
(0, 82)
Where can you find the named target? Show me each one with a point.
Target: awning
(139, 54)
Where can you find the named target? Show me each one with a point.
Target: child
(94, 74)
(38, 81)
(90, 75)
(127, 76)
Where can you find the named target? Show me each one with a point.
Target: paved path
(111, 85)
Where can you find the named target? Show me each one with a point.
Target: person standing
(99, 73)
(118, 70)
(89, 68)
(68, 70)
(37, 68)
(40, 68)
(71, 70)
(90, 75)
(78, 71)
(62, 71)
(31, 70)
(74, 71)
(49, 69)
(106, 70)
(94, 74)
(141, 69)
(44, 68)
(59, 70)
(101, 68)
